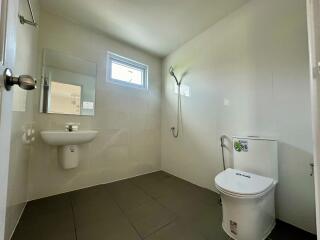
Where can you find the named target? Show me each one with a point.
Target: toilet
(247, 190)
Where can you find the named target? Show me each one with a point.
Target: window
(127, 72)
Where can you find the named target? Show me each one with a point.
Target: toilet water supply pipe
(223, 159)
(175, 130)
(222, 150)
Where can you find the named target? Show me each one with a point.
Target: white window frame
(131, 63)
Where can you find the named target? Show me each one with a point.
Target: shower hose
(175, 130)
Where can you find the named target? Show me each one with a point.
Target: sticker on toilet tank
(233, 227)
(241, 145)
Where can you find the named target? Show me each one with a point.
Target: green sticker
(241, 146)
(238, 146)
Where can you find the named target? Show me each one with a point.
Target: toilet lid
(242, 183)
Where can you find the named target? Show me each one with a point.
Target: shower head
(171, 71)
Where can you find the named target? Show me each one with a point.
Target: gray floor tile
(150, 178)
(49, 205)
(157, 189)
(95, 213)
(170, 186)
(119, 186)
(35, 235)
(156, 206)
(117, 228)
(53, 225)
(188, 207)
(180, 185)
(283, 230)
(205, 196)
(154, 184)
(95, 195)
(94, 205)
(129, 199)
(177, 204)
(150, 217)
(206, 220)
(176, 231)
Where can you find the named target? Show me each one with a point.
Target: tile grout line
(160, 228)
(173, 212)
(157, 201)
(177, 214)
(154, 199)
(74, 218)
(124, 214)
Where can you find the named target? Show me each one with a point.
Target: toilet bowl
(247, 204)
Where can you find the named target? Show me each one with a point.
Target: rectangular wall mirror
(68, 84)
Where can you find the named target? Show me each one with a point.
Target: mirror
(68, 84)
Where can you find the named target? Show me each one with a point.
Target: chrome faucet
(72, 127)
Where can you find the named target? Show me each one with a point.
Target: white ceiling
(157, 26)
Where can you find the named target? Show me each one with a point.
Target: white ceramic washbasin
(62, 138)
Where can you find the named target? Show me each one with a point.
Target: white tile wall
(26, 59)
(257, 58)
(128, 120)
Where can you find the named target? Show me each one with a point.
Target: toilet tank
(256, 155)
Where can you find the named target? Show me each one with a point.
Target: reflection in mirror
(68, 84)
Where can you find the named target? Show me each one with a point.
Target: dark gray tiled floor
(156, 206)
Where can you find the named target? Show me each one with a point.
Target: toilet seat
(239, 184)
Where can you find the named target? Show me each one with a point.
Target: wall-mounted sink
(62, 138)
(67, 143)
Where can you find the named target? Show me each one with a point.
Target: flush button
(243, 175)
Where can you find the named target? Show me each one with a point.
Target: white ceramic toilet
(247, 191)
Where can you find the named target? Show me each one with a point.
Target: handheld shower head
(171, 72)
(175, 130)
